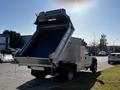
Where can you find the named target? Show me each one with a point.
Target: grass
(106, 80)
(110, 78)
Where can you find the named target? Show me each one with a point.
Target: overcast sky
(90, 18)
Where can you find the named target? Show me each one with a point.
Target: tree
(103, 43)
(15, 38)
(94, 48)
(83, 42)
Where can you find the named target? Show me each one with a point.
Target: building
(25, 38)
(4, 42)
(113, 49)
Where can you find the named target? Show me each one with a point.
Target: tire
(66, 71)
(66, 74)
(93, 67)
(71, 73)
(0, 61)
(38, 74)
(109, 62)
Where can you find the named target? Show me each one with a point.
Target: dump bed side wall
(74, 52)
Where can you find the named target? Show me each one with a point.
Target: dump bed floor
(45, 43)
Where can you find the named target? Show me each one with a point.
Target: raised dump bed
(45, 42)
(52, 50)
(54, 30)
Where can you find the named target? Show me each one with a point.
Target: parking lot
(103, 63)
(14, 77)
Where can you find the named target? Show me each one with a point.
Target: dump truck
(52, 49)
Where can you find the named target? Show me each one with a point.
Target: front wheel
(93, 67)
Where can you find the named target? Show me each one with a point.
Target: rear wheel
(66, 71)
(70, 75)
(0, 61)
(38, 74)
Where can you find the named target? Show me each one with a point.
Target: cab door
(88, 58)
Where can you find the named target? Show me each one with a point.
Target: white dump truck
(52, 50)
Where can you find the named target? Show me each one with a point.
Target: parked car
(114, 57)
(102, 53)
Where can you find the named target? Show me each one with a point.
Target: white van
(114, 57)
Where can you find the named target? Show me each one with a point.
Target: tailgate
(33, 61)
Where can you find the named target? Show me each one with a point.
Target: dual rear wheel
(38, 74)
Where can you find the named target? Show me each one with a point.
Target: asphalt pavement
(103, 63)
(14, 77)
